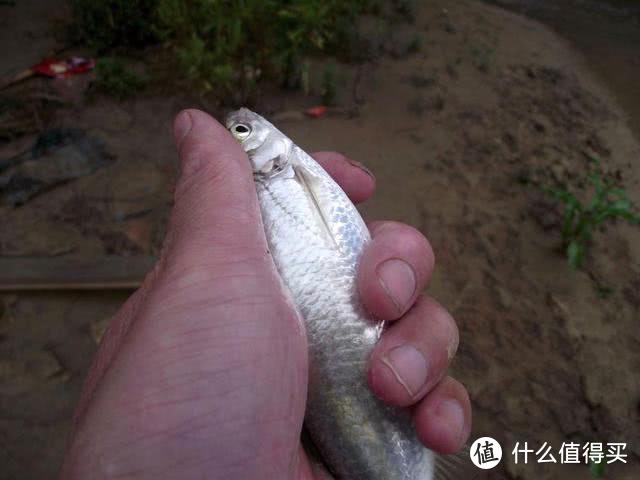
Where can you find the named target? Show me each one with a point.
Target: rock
(136, 190)
(421, 105)
(59, 155)
(98, 328)
(288, 115)
(32, 234)
(540, 123)
(558, 172)
(504, 297)
(139, 230)
(560, 308)
(27, 371)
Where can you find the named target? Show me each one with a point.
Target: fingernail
(450, 412)
(399, 282)
(361, 167)
(182, 126)
(409, 367)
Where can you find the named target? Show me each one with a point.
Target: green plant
(416, 44)
(329, 87)
(604, 291)
(115, 79)
(104, 24)
(596, 468)
(580, 219)
(483, 55)
(419, 80)
(230, 45)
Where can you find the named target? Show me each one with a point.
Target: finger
(395, 267)
(355, 179)
(412, 356)
(215, 200)
(443, 418)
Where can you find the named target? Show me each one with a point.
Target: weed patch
(229, 47)
(106, 24)
(115, 79)
(580, 218)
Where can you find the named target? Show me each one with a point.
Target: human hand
(203, 371)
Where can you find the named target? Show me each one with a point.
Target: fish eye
(241, 131)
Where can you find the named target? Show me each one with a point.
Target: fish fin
(332, 205)
(457, 466)
(311, 181)
(318, 467)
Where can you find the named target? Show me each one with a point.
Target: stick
(60, 273)
(28, 73)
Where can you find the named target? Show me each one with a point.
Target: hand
(203, 372)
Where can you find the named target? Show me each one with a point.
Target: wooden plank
(60, 273)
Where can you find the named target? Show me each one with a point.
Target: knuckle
(329, 157)
(451, 387)
(420, 246)
(412, 241)
(442, 325)
(416, 240)
(337, 156)
(444, 318)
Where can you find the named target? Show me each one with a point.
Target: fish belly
(357, 435)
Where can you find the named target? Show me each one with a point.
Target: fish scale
(316, 237)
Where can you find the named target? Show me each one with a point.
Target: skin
(202, 373)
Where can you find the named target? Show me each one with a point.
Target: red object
(316, 111)
(51, 67)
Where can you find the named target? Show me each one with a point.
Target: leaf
(562, 195)
(620, 205)
(575, 252)
(596, 469)
(630, 217)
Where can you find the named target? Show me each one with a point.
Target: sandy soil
(451, 132)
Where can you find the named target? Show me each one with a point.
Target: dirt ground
(453, 133)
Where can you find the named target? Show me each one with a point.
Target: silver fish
(316, 237)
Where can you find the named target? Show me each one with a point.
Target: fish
(316, 237)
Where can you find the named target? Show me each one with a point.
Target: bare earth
(451, 132)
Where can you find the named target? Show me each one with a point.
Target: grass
(419, 80)
(609, 201)
(220, 45)
(229, 47)
(483, 56)
(604, 291)
(597, 469)
(106, 24)
(416, 44)
(329, 84)
(115, 79)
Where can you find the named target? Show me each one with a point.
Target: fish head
(266, 147)
(248, 128)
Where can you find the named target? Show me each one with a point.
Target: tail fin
(457, 466)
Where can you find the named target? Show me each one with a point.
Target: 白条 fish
(316, 237)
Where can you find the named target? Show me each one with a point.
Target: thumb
(215, 199)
